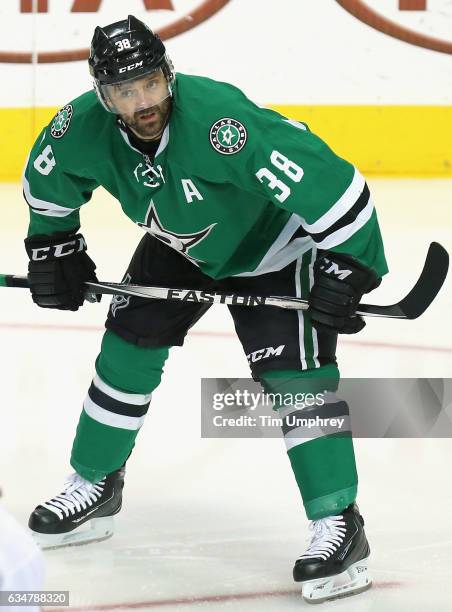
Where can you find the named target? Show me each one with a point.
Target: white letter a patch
(190, 191)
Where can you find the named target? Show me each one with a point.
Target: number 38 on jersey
(291, 170)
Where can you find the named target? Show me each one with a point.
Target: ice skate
(81, 513)
(335, 564)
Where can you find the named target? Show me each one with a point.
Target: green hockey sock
(116, 405)
(322, 459)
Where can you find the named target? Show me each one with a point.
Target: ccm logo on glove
(58, 269)
(340, 281)
(329, 267)
(59, 250)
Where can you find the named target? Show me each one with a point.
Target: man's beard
(153, 129)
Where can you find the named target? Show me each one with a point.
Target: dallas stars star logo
(228, 136)
(179, 242)
(61, 122)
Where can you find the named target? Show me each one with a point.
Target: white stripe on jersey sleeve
(340, 208)
(296, 124)
(48, 209)
(284, 250)
(344, 233)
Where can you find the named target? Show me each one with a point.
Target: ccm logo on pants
(265, 353)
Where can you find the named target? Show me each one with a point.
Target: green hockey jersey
(235, 188)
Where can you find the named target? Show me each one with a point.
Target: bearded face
(143, 104)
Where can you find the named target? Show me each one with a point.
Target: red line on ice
(225, 334)
(188, 601)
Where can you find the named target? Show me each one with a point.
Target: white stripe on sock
(136, 399)
(111, 418)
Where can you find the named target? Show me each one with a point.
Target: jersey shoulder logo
(62, 121)
(228, 136)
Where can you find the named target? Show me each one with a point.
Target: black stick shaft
(411, 306)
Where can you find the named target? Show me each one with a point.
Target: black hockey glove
(57, 270)
(339, 284)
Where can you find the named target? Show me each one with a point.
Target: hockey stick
(411, 306)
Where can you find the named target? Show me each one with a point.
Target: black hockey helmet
(126, 50)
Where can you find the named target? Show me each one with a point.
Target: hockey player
(231, 197)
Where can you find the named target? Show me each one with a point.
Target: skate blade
(353, 581)
(94, 530)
